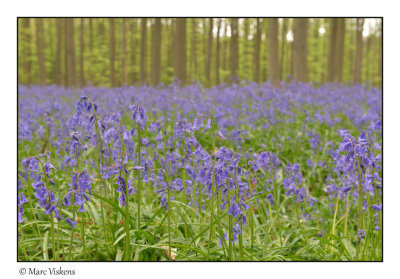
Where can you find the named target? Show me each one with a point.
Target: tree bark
(58, 51)
(70, 53)
(194, 48)
(257, 48)
(81, 58)
(234, 53)
(217, 79)
(180, 50)
(209, 52)
(26, 38)
(124, 52)
(40, 50)
(283, 49)
(300, 50)
(112, 52)
(133, 47)
(340, 40)
(156, 53)
(359, 51)
(273, 52)
(143, 48)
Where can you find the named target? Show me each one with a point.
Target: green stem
(360, 204)
(334, 218)
(83, 235)
(139, 180)
(127, 237)
(72, 236)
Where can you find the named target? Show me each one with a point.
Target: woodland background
(114, 52)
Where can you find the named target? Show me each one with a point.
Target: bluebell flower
(70, 222)
(234, 210)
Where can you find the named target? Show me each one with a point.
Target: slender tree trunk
(209, 52)
(194, 48)
(283, 48)
(124, 52)
(257, 48)
(300, 50)
(112, 52)
(339, 56)
(81, 58)
(70, 53)
(133, 47)
(359, 51)
(332, 49)
(180, 50)
(273, 52)
(234, 53)
(58, 51)
(225, 46)
(156, 53)
(26, 38)
(217, 79)
(143, 48)
(40, 50)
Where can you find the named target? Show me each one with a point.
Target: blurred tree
(209, 51)
(59, 77)
(112, 52)
(143, 47)
(359, 51)
(283, 48)
(81, 55)
(124, 52)
(180, 50)
(70, 73)
(300, 50)
(40, 46)
(257, 48)
(273, 51)
(217, 53)
(26, 45)
(234, 53)
(156, 53)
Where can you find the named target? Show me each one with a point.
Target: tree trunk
(273, 52)
(143, 48)
(234, 53)
(194, 48)
(40, 50)
(133, 47)
(26, 37)
(300, 50)
(283, 49)
(124, 52)
(209, 52)
(339, 56)
(58, 51)
(112, 52)
(156, 53)
(257, 48)
(70, 53)
(332, 49)
(225, 46)
(180, 50)
(81, 58)
(359, 51)
(217, 79)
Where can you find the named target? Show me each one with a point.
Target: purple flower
(345, 189)
(376, 207)
(70, 222)
(234, 210)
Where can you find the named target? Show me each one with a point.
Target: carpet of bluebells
(232, 173)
